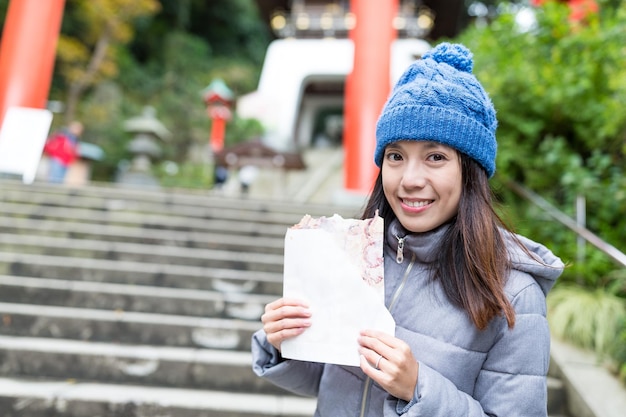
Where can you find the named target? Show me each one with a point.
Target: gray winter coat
(463, 371)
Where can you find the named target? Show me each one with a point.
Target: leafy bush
(560, 89)
(187, 175)
(602, 312)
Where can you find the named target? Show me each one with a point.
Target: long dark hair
(473, 261)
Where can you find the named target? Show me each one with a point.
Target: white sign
(22, 138)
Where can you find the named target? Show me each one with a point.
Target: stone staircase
(128, 302)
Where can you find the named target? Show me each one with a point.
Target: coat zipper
(368, 381)
(400, 250)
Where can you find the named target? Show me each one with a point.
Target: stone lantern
(145, 146)
(218, 99)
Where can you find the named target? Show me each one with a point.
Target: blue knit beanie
(439, 99)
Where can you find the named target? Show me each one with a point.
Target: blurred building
(300, 96)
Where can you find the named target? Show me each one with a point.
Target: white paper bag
(336, 266)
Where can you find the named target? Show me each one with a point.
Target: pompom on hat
(439, 99)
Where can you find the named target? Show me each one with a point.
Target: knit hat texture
(439, 99)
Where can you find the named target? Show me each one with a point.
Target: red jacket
(61, 148)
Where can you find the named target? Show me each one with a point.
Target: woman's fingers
(286, 324)
(277, 338)
(378, 336)
(372, 359)
(285, 312)
(281, 302)
(390, 362)
(285, 318)
(377, 342)
(374, 349)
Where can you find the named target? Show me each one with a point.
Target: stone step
(164, 196)
(592, 389)
(137, 298)
(131, 362)
(130, 234)
(139, 273)
(189, 202)
(137, 252)
(125, 327)
(148, 365)
(234, 212)
(193, 368)
(24, 397)
(557, 403)
(145, 220)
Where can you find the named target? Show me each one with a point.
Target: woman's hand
(390, 362)
(285, 318)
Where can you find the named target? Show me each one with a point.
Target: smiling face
(422, 183)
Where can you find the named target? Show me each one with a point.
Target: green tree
(88, 44)
(166, 65)
(233, 30)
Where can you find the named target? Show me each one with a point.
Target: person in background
(61, 149)
(247, 175)
(220, 176)
(467, 294)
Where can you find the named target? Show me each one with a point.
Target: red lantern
(218, 99)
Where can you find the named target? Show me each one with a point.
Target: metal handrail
(536, 199)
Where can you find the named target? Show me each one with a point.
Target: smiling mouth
(416, 204)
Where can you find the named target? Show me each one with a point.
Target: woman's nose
(414, 176)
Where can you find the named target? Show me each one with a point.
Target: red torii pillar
(27, 52)
(367, 88)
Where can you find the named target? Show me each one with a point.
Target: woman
(467, 295)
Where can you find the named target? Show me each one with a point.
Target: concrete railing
(565, 220)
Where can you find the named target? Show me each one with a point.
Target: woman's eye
(437, 157)
(394, 156)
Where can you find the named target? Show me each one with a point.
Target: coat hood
(539, 262)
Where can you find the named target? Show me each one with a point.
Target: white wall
(289, 62)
